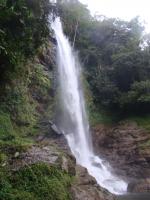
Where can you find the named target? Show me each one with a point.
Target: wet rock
(124, 147)
(137, 196)
(16, 154)
(64, 165)
(86, 188)
(48, 55)
(55, 129)
(49, 130)
(97, 164)
(68, 164)
(142, 185)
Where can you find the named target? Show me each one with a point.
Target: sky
(123, 9)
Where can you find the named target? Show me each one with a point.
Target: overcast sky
(124, 9)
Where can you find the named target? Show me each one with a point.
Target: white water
(73, 116)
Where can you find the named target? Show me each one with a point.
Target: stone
(16, 154)
(56, 130)
(86, 188)
(64, 165)
(122, 145)
(141, 185)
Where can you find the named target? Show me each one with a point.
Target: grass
(36, 182)
(142, 121)
(145, 145)
(108, 118)
(102, 117)
(6, 128)
(15, 145)
(9, 138)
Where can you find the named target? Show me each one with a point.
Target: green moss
(101, 116)
(6, 128)
(16, 145)
(142, 121)
(24, 106)
(3, 158)
(145, 145)
(20, 106)
(10, 141)
(36, 182)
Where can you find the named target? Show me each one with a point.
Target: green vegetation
(142, 121)
(103, 117)
(24, 82)
(23, 28)
(34, 182)
(10, 141)
(21, 105)
(6, 128)
(145, 145)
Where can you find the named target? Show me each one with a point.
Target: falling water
(74, 122)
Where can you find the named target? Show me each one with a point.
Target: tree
(114, 53)
(23, 28)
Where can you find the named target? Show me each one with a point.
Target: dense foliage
(115, 55)
(25, 83)
(23, 28)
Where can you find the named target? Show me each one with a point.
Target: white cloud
(124, 9)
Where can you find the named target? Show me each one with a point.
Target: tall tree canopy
(115, 55)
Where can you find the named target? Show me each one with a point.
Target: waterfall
(73, 120)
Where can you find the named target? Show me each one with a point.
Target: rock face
(142, 185)
(44, 153)
(86, 188)
(125, 146)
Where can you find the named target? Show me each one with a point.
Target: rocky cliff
(126, 147)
